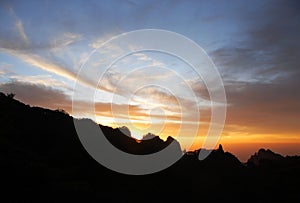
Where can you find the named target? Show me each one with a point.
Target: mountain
(42, 159)
(217, 159)
(264, 155)
(268, 159)
(138, 147)
(43, 130)
(222, 159)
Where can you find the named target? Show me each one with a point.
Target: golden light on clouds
(263, 101)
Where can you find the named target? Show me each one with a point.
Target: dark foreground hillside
(42, 159)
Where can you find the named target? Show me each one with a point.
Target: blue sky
(254, 44)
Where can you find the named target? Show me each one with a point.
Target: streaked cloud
(255, 46)
(43, 63)
(20, 27)
(45, 80)
(5, 68)
(65, 40)
(21, 31)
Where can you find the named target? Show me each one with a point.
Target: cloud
(43, 63)
(264, 108)
(269, 51)
(39, 95)
(140, 118)
(64, 40)
(97, 42)
(43, 94)
(5, 69)
(43, 54)
(45, 80)
(21, 31)
(257, 54)
(47, 63)
(32, 54)
(19, 27)
(261, 71)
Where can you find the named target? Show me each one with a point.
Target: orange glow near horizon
(241, 144)
(197, 57)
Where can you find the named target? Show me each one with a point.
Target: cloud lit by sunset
(254, 45)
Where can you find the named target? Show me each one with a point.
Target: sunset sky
(255, 46)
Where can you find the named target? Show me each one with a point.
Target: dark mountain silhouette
(268, 159)
(216, 159)
(42, 159)
(130, 145)
(264, 155)
(219, 158)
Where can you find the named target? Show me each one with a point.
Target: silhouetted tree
(10, 95)
(61, 111)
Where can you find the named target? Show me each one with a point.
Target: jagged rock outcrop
(264, 156)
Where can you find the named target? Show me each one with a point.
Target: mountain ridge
(42, 156)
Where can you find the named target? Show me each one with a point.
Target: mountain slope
(42, 159)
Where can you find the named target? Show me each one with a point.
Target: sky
(255, 46)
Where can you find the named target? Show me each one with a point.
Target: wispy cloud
(45, 80)
(20, 27)
(25, 51)
(5, 68)
(64, 40)
(43, 63)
